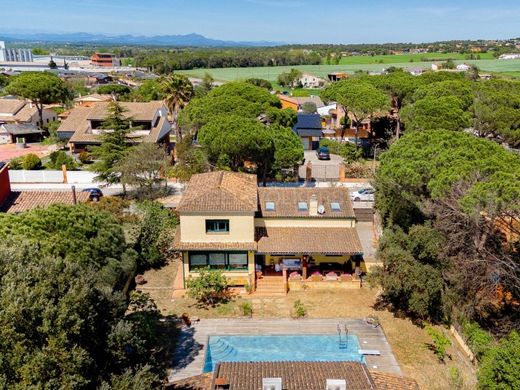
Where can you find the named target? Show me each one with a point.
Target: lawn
(271, 73)
(409, 342)
(402, 58)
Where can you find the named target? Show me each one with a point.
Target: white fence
(47, 176)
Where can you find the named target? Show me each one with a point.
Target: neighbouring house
(415, 71)
(332, 116)
(511, 56)
(463, 67)
(228, 223)
(309, 99)
(296, 103)
(300, 375)
(99, 79)
(22, 113)
(308, 80)
(337, 76)
(83, 126)
(89, 100)
(10, 132)
(105, 60)
(308, 128)
(288, 102)
(20, 201)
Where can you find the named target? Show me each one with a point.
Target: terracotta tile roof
(11, 106)
(286, 202)
(136, 110)
(79, 117)
(295, 375)
(198, 382)
(209, 246)
(220, 192)
(76, 120)
(20, 201)
(332, 241)
(385, 381)
(95, 97)
(287, 99)
(310, 99)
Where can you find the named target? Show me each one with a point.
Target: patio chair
(331, 276)
(316, 278)
(346, 278)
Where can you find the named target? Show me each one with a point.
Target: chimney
(336, 384)
(313, 206)
(271, 383)
(74, 199)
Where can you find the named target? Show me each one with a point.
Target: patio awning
(328, 241)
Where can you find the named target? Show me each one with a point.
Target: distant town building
(14, 55)
(512, 56)
(308, 80)
(336, 76)
(463, 67)
(105, 59)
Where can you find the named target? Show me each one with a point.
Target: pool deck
(188, 359)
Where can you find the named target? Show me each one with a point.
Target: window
(237, 261)
(217, 226)
(269, 206)
(302, 206)
(230, 261)
(335, 206)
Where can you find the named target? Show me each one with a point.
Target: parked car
(94, 193)
(364, 194)
(323, 153)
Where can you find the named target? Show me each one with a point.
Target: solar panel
(302, 206)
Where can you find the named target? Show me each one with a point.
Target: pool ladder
(343, 336)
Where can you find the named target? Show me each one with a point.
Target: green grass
(402, 58)
(271, 73)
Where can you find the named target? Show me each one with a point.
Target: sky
(292, 21)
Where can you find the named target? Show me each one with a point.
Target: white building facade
(14, 55)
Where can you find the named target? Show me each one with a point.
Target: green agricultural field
(402, 58)
(271, 73)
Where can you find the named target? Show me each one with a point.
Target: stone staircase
(270, 286)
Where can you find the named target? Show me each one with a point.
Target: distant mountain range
(194, 40)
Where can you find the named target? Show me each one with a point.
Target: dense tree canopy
(41, 88)
(241, 124)
(463, 190)
(64, 323)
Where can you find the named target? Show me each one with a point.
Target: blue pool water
(310, 348)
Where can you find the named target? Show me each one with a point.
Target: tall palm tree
(177, 90)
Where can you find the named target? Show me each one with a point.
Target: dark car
(323, 153)
(94, 193)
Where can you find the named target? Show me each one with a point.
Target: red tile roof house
(82, 128)
(19, 118)
(20, 201)
(228, 223)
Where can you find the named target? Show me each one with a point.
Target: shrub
(15, 163)
(85, 157)
(499, 365)
(31, 161)
(299, 309)
(440, 342)
(209, 287)
(247, 309)
(59, 158)
(478, 339)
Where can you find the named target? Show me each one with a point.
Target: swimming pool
(310, 348)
